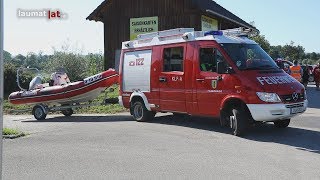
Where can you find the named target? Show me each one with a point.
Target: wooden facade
(116, 14)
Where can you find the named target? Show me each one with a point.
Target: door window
(209, 58)
(173, 59)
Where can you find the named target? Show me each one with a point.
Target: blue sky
(281, 21)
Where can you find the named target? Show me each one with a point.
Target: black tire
(39, 112)
(282, 123)
(67, 112)
(238, 121)
(140, 113)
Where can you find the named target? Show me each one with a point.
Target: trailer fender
(143, 96)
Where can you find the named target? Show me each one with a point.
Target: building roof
(214, 8)
(208, 6)
(97, 14)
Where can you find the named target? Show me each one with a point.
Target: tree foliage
(290, 51)
(10, 79)
(293, 52)
(74, 65)
(262, 41)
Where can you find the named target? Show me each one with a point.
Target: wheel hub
(38, 112)
(232, 120)
(138, 111)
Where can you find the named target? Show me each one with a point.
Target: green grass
(109, 109)
(10, 131)
(8, 108)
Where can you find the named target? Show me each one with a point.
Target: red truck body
(182, 86)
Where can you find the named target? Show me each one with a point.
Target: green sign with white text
(142, 26)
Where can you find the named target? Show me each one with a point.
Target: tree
(10, 72)
(19, 60)
(292, 51)
(95, 63)
(75, 65)
(6, 56)
(275, 52)
(314, 56)
(262, 41)
(32, 61)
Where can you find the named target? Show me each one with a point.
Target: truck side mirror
(222, 68)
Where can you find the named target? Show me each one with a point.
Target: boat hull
(76, 92)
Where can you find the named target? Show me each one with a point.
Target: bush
(10, 80)
(75, 65)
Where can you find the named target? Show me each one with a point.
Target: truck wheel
(311, 79)
(39, 112)
(238, 121)
(140, 113)
(67, 112)
(282, 123)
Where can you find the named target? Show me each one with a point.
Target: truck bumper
(120, 101)
(273, 112)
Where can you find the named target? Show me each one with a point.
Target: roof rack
(165, 35)
(241, 31)
(182, 35)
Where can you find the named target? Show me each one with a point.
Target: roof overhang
(207, 6)
(97, 14)
(232, 20)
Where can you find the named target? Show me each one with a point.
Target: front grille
(295, 105)
(289, 99)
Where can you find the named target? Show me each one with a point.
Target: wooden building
(124, 19)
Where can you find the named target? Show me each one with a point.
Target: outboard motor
(34, 82)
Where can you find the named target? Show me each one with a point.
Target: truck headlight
(268, 97)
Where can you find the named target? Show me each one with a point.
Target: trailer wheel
(140, 113)
(67, 112)
(39, 112)
(238, 121)
(282, 123)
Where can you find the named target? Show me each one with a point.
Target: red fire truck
(215, 74)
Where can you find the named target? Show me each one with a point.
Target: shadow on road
(301, 139)
(80, 119)
(313, 97)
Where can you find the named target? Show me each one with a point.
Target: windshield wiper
(252, 68)
(264, 67)
(268, 67)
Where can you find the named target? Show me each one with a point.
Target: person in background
(316, 74)
(305, 76)
(296, 71)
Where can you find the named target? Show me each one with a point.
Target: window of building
(173, 59)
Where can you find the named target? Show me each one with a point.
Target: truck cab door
(211, 87)
(172, 79)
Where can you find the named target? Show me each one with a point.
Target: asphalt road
(115, 147)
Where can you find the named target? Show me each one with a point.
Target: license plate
(296, 110)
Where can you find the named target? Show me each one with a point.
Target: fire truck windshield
(249, 56)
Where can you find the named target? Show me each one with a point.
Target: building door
(171, 79)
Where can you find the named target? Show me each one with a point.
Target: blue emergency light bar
(214, 33)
